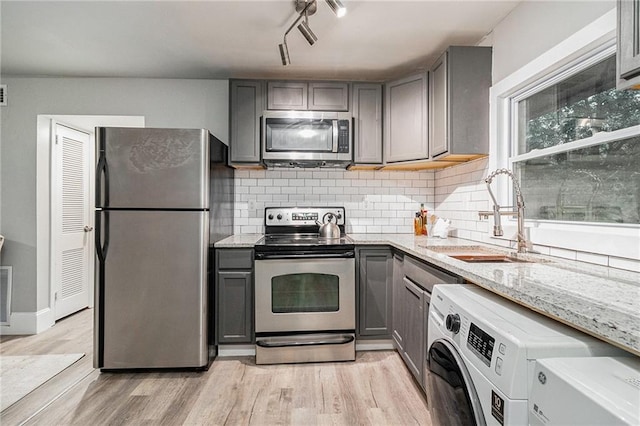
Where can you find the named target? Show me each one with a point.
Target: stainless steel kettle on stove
(328, 229)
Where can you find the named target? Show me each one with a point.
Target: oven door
(306, 294)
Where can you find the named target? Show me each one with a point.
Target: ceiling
(376, 40)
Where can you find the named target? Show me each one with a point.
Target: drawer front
(235, 259)
(426, 276)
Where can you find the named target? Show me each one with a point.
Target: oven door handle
(342, 340)
(271, 256)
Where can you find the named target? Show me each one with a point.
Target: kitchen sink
(480, 254)
(489, 258)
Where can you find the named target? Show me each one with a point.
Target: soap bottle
(423, 219)
(417, 224)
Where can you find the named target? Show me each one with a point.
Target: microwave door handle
(335, 136)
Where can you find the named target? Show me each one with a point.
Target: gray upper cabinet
(367, 117)
(459, 103)
(439, 136)
(628, 44)
(247, 102)
(328, 96)
(287, 95)
(311, 96)
(406, 119)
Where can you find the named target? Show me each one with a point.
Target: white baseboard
(28, 322)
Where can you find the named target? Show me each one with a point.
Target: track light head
(307, 33)
(337, 7)
(284, 53)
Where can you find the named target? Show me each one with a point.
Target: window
(576, 148)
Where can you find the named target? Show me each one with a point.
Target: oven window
(306, 292)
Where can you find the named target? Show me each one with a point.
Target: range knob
(339, 215)
(453, 323)
(270, 216)
(279, 216)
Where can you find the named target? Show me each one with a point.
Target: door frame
(44, 315)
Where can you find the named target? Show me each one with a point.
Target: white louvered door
(72, 233)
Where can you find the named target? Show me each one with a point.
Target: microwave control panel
(343, 136)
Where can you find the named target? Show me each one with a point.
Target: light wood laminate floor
(377, 389)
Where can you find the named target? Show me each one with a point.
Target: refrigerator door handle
(102, 169)
(101, 248)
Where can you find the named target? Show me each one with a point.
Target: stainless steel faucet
(523, 244)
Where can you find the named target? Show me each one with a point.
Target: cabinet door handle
(409, 285)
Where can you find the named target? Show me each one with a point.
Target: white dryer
(482, 354)
(585, 391)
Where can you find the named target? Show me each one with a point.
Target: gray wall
(163, 103)
(536, 26)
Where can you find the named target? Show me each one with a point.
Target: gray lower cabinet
(374, 277)
(628, 54)
(367, 119)
(406, 119)
(415, 330)
(234, 295)
(397, 317)
(412, 294)
(459, 103)
(246, 104)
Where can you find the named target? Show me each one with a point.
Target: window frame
(585, 48)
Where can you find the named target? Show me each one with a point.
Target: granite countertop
(601, 301)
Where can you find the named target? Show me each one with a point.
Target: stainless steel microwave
(307, 138)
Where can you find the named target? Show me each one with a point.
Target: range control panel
(303, 216)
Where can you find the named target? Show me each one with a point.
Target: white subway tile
(598, 259)
(288, 174)
(622, 263)
(563, 253)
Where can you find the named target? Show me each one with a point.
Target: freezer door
(152, 168)
(151, 289)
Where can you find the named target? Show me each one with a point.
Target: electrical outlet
(368, 205)
(252, 205)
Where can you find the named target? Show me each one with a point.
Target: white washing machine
(482, 354)
(585, 391)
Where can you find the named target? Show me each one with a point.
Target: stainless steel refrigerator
(163, 198)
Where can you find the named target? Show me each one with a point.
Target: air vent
(3, 95)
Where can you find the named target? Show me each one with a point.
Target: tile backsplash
(375, 202)
(385, 202)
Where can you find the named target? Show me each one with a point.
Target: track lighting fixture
(337, 7)
(306, 32)
(284, 52)
(306, 8)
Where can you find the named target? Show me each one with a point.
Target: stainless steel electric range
(305, 293)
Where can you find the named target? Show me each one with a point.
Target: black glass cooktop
(290, 240)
